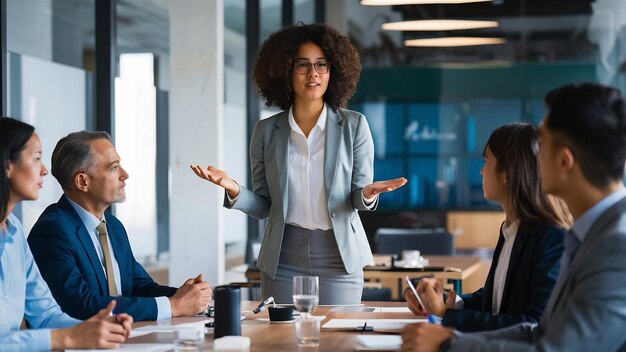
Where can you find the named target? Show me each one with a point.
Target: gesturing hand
(376, 188)
(218, 177)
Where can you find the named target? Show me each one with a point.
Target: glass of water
(305, 294)
(305, 299)
(188, 338)
(308, 331)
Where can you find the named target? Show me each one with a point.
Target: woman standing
(312, 166)
(526, 260)
(25, 293)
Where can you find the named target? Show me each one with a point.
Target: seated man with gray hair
(84, 253)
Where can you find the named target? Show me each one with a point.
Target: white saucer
(400, 264)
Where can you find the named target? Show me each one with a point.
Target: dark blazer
(532, 273)
(587, 311)
(68, 261)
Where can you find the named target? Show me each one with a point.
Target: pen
(118, 306)
(419, 300)
(365, 327)
(261, 307)
(433, 319)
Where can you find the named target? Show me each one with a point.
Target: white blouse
(308, 206)
(499, 279)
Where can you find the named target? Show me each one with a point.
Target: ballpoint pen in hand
(261, 307)
(117, 309)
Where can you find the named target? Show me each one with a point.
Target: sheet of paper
(167, 328)
(391, 310)
(379, 342)
(381, 325)
(352, 309)
(148, 347)
(357, 309)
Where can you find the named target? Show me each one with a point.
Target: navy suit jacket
(532, 273)
(68, 261)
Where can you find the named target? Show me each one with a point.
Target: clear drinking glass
(308, 331)
(305, 294)
(188, 338)
(305, 299)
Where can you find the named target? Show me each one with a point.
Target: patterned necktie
(108, 266)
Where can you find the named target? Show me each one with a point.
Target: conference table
(449, 269)
(266, 336)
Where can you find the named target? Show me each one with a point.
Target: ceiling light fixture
(416, 2)
(453, 41)
(438, 25)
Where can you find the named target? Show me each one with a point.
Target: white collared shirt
(306, 194)
(499, 278)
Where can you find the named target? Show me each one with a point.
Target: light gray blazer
(589, 312)
(348, 167)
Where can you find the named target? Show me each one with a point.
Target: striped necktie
(108, 265)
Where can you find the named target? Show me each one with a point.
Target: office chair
(433, 241)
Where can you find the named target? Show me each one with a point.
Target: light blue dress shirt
(164, 309)
(577, 234)
(582, 226)
(24, 293)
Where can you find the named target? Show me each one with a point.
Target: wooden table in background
(281, 337)
(455, 270)
(458, 268)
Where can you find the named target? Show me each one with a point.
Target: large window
(141, 114)
(50, 48)
(433, 106)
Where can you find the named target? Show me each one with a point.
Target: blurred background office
(170, 80)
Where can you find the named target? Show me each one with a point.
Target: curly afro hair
(274, 67)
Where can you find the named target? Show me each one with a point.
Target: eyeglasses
(303, 66)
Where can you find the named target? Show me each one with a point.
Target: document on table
(379, 342)
(391, 310)
(360, 309)
(148, 347)
(144, 330)
(380, 325)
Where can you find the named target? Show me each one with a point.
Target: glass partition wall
(50, 77)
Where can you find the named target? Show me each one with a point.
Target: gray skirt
(312, 253)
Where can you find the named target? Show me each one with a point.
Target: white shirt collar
(321, 120)
(511, 230)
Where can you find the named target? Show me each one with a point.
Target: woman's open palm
(378, 187)
(218, 177)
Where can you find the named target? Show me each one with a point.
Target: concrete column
(337, 16)
(196, 136)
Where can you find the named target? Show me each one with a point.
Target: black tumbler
(227, 313)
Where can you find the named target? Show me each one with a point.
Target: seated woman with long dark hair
(526, 260)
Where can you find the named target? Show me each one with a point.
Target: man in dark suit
(581, 153)
(84, 254)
